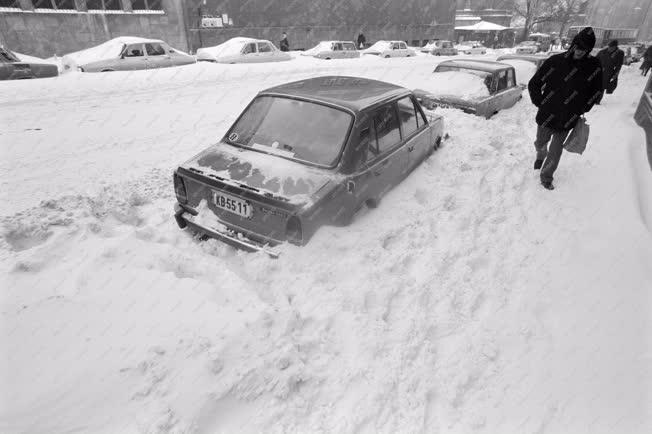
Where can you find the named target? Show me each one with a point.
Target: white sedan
(472, 48)
(242, 50)
(390, 49)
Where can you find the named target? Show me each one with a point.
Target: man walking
(285, 44)
(611, 59)
(564, 88)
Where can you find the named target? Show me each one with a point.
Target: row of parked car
(133, 53)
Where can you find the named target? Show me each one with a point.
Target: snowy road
(470, 300)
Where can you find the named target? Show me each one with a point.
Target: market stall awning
(482, 26)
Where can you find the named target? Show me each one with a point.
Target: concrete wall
(308, 22)
(49, 33)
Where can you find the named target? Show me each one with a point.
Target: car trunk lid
(250, 191)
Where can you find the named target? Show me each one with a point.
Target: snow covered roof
(482, 26)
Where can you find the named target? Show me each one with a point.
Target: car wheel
(437, 54)
(387, 57)
(327, 58)
(108, 70)
(437, 143)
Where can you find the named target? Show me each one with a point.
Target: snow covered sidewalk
(470, 300)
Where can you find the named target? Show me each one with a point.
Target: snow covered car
(480, 87)
(333, 50)
(242, 50)
(536, 59)
(440, 48)
(390, 49)
(527, 47)
(643, 117)
(472, 48)
(12, 67)
(303, 155)
(126, 53)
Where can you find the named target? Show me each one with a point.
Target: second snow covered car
(480, 87)
(126, 53)
(303, 155)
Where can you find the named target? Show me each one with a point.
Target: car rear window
(295, 129)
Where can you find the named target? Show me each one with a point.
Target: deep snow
(470, 300)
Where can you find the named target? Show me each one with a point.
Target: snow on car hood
(292, 180)
(452, 84)
(232, 47)
(322, 46)
(378, 47)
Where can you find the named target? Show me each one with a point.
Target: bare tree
(534, 12)
(565, 11)
(548, 11)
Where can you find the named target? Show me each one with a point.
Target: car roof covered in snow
(480, 65)
(354, 93)
(529, 57)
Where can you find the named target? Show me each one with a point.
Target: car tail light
(293, 230)
(180, 189)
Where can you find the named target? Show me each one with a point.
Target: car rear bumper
(185, 219)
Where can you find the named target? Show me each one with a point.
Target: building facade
(622, 14)
(45, 28)
(308, 22)
(470, 12)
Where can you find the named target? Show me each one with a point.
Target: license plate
(232, 204)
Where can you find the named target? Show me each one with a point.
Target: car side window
(402, 46)
(154, 49)
(264, 47)
(502, 81)
(387, 129)
(511, 79)
(135, 50)
(337, 46)
(348, 46)
(394, 46)
(249, 48)
(407, 115)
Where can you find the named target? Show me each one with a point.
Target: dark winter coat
(361, 40)
(564, 88)
(285, 44)
(647, 58)
(611, 64)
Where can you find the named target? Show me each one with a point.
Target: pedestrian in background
(285, 44)
(564, 88)
(612, 59)
(647, 61)
(361, 40)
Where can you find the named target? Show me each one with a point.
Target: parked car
(303, 155)
(126, 53)
(527, 47)
(333, 50)
(536, 59)
(243, 50)
(390, 49)
(472, 48)
(502, 91)
(643, 116)
(12, 67)
(440, 48)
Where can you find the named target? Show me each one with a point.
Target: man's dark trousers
(551, 155)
